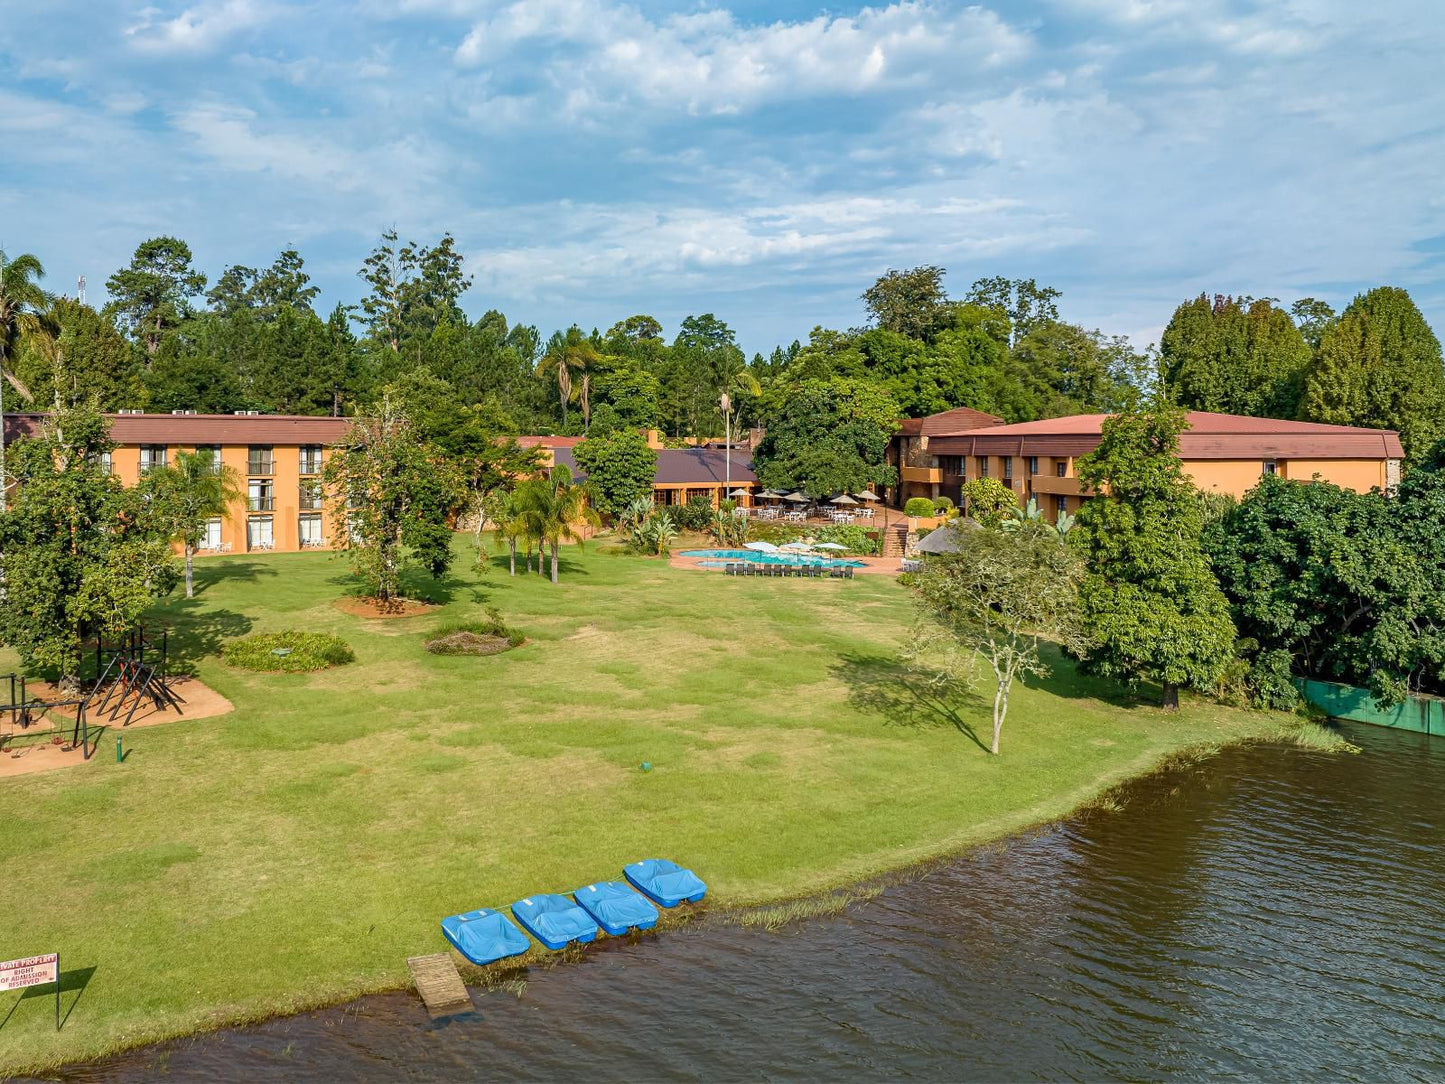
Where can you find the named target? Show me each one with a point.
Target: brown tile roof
(683, 466)
(951, 423)
(205, 428)
(1209, 436)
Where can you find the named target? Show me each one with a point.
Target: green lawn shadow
(905, 697)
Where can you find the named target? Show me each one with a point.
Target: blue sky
(761, 161)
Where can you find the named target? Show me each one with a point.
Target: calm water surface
(1271, 914)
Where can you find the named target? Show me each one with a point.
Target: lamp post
(727, 406)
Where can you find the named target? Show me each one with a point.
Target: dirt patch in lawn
(358, 606)
(35, 749)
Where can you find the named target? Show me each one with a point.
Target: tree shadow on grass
(903, 697)
(194, 633)
(210, 572)
(1066, 680)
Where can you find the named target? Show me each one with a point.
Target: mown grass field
(296, 851)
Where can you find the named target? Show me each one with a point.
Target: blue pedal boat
(616, 907)
(554, 920)
(484, 936)
(665, 882)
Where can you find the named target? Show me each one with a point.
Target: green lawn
(297, 850)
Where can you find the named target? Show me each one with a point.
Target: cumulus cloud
(197, 29)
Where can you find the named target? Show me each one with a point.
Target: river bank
(1267, 913)
(294, 852)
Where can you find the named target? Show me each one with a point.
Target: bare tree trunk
(1000, 709)
(190, 571)
(1171, 696)
(554, 562)
(512, 555)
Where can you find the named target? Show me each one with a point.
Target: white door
(259, 531)
(212, 541)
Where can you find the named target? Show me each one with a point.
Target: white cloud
(710, 63)
(197, 29)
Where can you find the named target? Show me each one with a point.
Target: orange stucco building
(278, 461)
(1222, 453)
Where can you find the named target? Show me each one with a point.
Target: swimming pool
(807, 560)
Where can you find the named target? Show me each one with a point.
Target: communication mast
(80, 289)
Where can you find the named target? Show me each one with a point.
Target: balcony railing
(258, 464)
(261, 503)
(310, 464)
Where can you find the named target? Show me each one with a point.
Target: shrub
(857, 539)
(695, 515)
(942, 504)
(918, 506)
(291, 651)
(488, 636)
(779, 534)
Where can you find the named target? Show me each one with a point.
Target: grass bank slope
(295, 851)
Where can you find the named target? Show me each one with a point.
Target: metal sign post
(33, 971)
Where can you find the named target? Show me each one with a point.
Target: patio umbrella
(762, 547)
(842, 498)
(868, 495)
(795, 496)
(829, 546)
(737, 493)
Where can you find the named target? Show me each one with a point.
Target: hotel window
(310, 459)
(258, 459)
(1270, 467)
(1061, 505)
(311, 530)
(259, 495)
(259, 533)
(214, 451)
(1033, 464)
(951, 464)
(1008, 468)
(1061, 468)
(105, 463)
(982, 466)
(152, 456)
(310, 496)
(211, 540)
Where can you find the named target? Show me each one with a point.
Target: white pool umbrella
(762, 547)
(830, 546)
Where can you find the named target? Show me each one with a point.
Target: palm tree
(567, 354)
(556, 508)
(21, 302)
(508, 511)
(195, 489)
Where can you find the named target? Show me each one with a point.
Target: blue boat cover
(616, 907)
(554, 920)
(665, 882)
(484, 936)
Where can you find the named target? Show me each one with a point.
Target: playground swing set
(128, 673)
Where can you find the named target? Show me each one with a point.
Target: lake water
(1269, 914)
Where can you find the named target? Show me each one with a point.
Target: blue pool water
(805, 559)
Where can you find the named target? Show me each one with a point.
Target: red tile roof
(951, 423)
(205, 428)
(549, 442)
(1209, 436)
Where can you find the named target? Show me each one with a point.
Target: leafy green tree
(828, 436)
(411, 288)
(152, 296)
(94, 360)
(1023, 301)
(1379, 365)
(1338, 585)
(185, 494)
(1063, 369)
(707, 365)
(1312, 316)
(284, 284)
(21, 303)
(1151, 607)
(633, 393)
(998, 599)
(80, 556)
(620, 469)
(988, 500)
(397, 494)
(910, 303)
(1234, 356)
